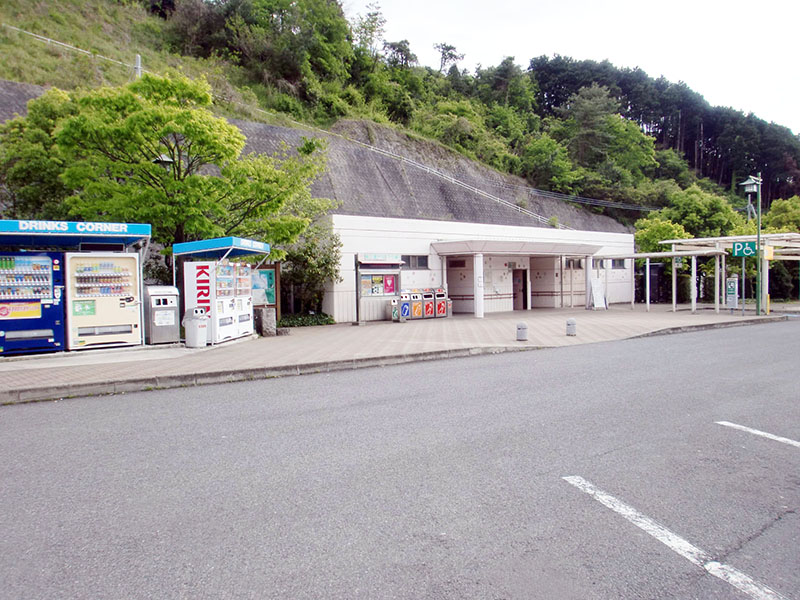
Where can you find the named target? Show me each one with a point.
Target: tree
(400, 54)
(202, 187)
(784, 215)
(310, 263)
(447, 55)
(655, 228)
(701, 213)
(546, 164)
(30, 161)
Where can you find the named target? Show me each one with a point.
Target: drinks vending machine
(244, 298)
(104, 302)
(223, 290)
(31, 302)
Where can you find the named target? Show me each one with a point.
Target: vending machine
(244, 298)
(104, 301)
(31, 302)
(211, 286)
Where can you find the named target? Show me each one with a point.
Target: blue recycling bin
(405, 304)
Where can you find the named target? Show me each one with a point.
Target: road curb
(59, 392)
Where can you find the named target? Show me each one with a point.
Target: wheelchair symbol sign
(744, 248)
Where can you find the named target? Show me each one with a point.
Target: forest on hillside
(575, 126)
(653, 149)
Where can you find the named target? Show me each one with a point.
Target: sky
(734, 53)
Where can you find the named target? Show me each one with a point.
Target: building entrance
(521, 294)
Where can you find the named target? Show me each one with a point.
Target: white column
(587, 270)
(674, 285)
(633, 281)
(647, 284)
(561, 276)
(477, 284)
(605, 272)
(694, 284)
(764, 285)
(571, 284)
(716, 283)
(723, 279)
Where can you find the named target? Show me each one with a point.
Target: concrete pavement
(335, 347)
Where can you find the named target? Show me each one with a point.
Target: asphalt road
(429, 480)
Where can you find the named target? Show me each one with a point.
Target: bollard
(522, 332)
(572, 327)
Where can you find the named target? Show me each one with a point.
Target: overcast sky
(745, 55)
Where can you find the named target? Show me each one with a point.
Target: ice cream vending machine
(213, 287)
(31, 302)
(104, 301)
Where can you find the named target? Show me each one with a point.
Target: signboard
(732, 292)
(264, 287)
(744, 249)
(76, 228)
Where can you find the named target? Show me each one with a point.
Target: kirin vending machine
(104, 302)
(31, 302)
(212, 286)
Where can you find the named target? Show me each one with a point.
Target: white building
(484, 268)
(485, 237)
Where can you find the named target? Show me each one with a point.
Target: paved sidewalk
(335, 347)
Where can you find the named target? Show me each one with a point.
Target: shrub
(305, 320)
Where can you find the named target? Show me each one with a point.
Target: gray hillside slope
(368, 183)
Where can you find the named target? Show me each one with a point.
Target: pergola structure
(774, 246)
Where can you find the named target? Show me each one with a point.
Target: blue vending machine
(31, 302)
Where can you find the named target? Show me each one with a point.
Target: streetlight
(752, 185)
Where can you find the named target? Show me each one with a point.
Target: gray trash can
(161, 315)
(195, 324)
(522, 332)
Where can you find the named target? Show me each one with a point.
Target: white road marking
(677, 544)
(769, 436)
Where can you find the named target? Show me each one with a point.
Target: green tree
(152, 152)
(655, 228)
(546, 164)
(31, 162)
(447, 55)
(310, 263)
(784, 215)
(701, 213)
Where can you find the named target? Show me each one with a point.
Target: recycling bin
(405, 304)
(161, 319)
(441, 302)
(195, 324)
(416, 305)
(393, 311)
(428, 303)
(449, 307)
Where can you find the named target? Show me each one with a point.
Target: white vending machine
(244, 298)
(212, 287)
(104, 300)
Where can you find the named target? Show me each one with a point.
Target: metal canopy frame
(219, 249)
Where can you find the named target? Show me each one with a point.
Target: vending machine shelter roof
(70, 234)
(224, 247)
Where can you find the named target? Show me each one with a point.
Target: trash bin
(416, 305)
(393, 311)
(405, 305)
(195, 324)
(161, 320)
(449, 307)
(429, 303)
(522, 332)
(441, 302)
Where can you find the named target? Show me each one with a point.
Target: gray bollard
(522, 332)
(572, 327)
